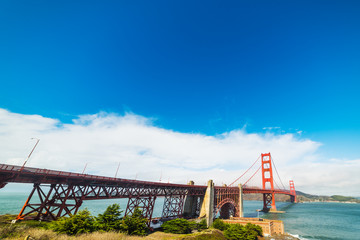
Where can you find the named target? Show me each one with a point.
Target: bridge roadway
(120, 188)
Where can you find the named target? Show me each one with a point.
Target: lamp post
(37, 141)
(117, 169)
(84, 168)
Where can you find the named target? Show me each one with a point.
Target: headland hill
(302, 197)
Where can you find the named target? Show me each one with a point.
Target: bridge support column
(173, 206)
(268, 182)
(292, 191)
(190, 204)
(145, 204)
(60, 200)
(207, 208)
(269, 202)
(2, 184)
(241, 201)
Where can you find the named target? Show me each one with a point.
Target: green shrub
(234, 232)
(82, 222)
(179, 226)
(110, 220)
(248, 232)
(254, 228)
(201, 225)
(219, 224)
(135, 224)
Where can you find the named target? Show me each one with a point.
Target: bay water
(315, 220)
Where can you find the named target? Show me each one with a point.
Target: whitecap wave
(297, 236)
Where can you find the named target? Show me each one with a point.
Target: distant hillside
(304, 197)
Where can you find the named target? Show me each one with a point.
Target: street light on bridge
(37, 141)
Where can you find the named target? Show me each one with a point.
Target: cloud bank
(148, 152)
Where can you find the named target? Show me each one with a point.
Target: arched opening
(226, 208)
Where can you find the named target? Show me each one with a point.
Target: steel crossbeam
(226, 200)
(58, 201)
(145, 204)
(173, 206)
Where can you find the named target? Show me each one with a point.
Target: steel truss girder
(197, 206)
(268, 201)
(62, 199)
(58, 201)
(173, 206)
(226, 195)
(145, 204)
(233, 210)
(106, 192)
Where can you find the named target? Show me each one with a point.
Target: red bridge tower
(292, 191)
(267, 179)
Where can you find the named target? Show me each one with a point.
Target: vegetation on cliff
(237, 231)
(110, 220)
(110, 225)
(304, 197)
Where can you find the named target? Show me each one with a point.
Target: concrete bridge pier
(207, 207)
(241, 201)
(192, 204)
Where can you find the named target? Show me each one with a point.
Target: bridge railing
(43, 171)
(79, 176)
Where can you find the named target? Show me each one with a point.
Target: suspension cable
(277, 172)
(252, 176)
(244, 172)
(276, 184)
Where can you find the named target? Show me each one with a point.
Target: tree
(178, 225)
(248, 232)
(82, 222)
(219, 224)
(253, 229)
(135, 224)
(201, 225)
(110, 220)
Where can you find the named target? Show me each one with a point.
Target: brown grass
(43, 234)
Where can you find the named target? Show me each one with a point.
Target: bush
(248, 232)
(256, 229)
(178, 225)
(201, 225)
(234, 232)
(82, 222)
(219, 224)
(135, 224)
(110, 220)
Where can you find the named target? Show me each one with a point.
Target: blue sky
(205, 67)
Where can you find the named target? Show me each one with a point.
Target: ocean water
(319, 221)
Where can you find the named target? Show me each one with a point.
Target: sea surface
(315, 220)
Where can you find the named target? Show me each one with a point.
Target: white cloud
(270, 128)
(103, 140)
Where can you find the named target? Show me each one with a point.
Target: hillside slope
(304, 197)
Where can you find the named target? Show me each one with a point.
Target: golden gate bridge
(59, 193)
